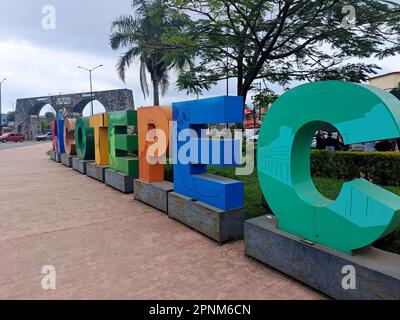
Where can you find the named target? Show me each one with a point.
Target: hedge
(381, 168)
(378, 167)
(169, 172)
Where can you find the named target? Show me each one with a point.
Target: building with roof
(388, 81)
(3, 119)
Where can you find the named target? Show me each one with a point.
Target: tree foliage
(50, 115)
(283, 40)
(264, 99)
(142, 34)
(45, 125)
(11, 116)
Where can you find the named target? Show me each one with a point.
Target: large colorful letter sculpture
(153, 120)
(84, 139)
(363, 212)
(60, 134)
(99, 123)
(69, 137)
(123, 142)
(190, 177)
(54, 139)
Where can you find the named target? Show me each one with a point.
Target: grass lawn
(253, 200)
(330, 188)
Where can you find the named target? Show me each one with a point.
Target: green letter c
(363, 212)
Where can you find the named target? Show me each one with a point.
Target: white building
(3, 119)
(389, 81)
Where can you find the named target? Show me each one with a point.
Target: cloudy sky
(38, 62)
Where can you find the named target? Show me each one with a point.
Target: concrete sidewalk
(105, 245)
(13, 145)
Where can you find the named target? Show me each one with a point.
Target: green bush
(169, 172)
(378, 167)
(390, 243)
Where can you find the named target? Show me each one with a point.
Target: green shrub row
(378, 167)
(169, 172)
(381, 168)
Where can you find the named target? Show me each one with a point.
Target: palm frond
(121, 40)
(140, 5)
(164, 82)
(123, 23)
(144, 35)
(143, 79)
(125, 61)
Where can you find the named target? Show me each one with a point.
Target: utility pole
(227, 77)
(91, 84)
(227, 72)
(1, 118)
(12, 105)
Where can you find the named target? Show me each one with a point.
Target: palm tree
(143, 35)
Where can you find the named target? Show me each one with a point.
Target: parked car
(16, 137)
(44, 137)
(253, 139)
(251, 133)
(357, 147)
(314, 143)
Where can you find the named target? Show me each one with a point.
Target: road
(105, 245)
(13, 145)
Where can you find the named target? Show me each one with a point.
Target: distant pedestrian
(369, 146)
(398, 144)
(384, 146)
(341, 145)
(321, 145)
(331, 143)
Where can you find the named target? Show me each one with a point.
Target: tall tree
(284, 40)
(50, 115)
(141, 34)
(11, 116)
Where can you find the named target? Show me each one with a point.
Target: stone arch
(112, 100)
(33, 123)
(78, 108)
(98, 108)
(35, 111)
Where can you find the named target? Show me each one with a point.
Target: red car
(16, 137)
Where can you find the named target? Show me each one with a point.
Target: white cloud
(32, 70)
(39, 71)
(389, 64)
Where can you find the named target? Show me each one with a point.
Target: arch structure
(28, 109)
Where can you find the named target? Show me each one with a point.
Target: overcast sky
(38, 62)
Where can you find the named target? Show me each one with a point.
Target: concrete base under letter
(370, 274)
(52, 155)
(58, 157)
(217, 224)
(80, 165)
(96, 172)
(67, 160)
(119, 181)
(154, 194)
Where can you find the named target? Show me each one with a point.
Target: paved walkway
(105, 245)
(12, 145)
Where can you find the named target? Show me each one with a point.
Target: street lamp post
(1, 118)
(91, 84)
(227, 71)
